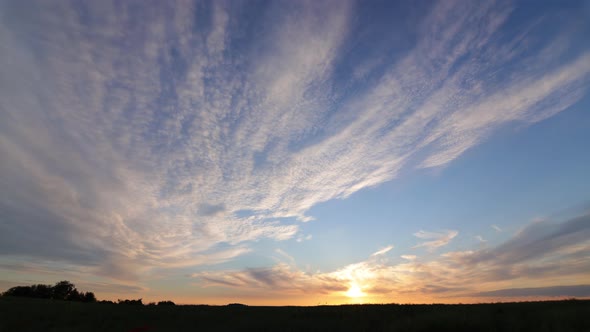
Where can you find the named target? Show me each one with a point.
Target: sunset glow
(296, 152)
(354, 291)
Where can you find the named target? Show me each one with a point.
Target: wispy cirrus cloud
(382, 251)
(135, 146)
(555, 291)
(436, 239)
(480, 238)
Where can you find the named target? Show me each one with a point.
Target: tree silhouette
(22, 291)
(88, 297)
(63, 290)
(42, 291)
(133, 302)
(74, 295)
(166, 303)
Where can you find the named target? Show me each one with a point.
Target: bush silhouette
(166, 303)
(132, 302)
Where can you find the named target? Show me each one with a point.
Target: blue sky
(296, 152)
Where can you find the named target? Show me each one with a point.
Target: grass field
(23, 314)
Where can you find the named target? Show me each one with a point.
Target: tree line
(66, 291)
(63, 290)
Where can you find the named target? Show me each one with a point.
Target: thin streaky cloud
(435, 239)
(382, 251)
(480, 238)
(554, 291)
(286, 256)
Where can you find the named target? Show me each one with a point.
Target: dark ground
(23, 314)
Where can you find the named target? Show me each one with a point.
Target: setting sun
(355, 291)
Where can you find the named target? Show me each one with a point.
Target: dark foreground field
(21, 314)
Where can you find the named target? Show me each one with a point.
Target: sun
(354, 291)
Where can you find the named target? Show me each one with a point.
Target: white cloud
(496, 228)
(480, 238)
(217, 36)
(382, 251)
(437, 239)
(302, 238)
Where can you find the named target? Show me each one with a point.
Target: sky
(296, 152)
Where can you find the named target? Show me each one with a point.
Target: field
(23, 314)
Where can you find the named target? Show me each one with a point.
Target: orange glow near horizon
(336, 298)
(354, 295)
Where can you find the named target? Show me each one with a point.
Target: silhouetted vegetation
(63, 290)
(166, 303)
(236, 305)
(25, 314)
(33, 308)
(132, 302)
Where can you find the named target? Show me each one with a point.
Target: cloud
(110, 288)
(286, 256)
(382, 251)
(556, 270)
(554, 291)
(302, 238)
(539, 239)
(437, 239)
(496, 228)
(480, 238)
(280, 278)
(133, 145)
